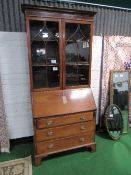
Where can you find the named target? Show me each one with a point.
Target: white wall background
(14, 74)
(15, 81)
(95, 69)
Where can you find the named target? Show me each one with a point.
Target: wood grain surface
(51, 103)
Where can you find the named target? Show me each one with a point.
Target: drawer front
(65, 143)
(63, 120)
(64, 131)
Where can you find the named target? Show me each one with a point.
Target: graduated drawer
(58, 145)
(63, 131)
(63, 120)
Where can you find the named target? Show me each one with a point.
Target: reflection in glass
(83, 74)
(38, 77)
(120, 94)
(77, 53)
(44, 77)
(71, 78)
(53, 76)
(45, 53)
(114, 121)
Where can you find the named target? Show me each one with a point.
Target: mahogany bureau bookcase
(60, 50)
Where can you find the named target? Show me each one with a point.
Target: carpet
(21, 166)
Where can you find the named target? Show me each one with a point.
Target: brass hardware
(49, 123)
(82, 139)
(83, 128)
(83, 117)
(50, 133)
(51, 145)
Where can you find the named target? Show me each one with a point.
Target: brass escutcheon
(50, 133)
(82, 139)
(83, 117)
(51, 145)
(49, 123)
(83, 128)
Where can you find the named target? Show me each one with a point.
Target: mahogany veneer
(63, 106)
(63, 120)
(60, 102)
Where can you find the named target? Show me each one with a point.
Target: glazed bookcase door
(77, 53)
(45, 58)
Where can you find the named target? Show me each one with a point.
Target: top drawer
(63, 120)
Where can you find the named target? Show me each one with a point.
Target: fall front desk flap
(50, 103)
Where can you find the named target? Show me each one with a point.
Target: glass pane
(78, 52)
(45, 49)
(39, 77)
(52, 53)
(121, 96)
(53, 76)
(114, 121)
(38, 53)
(44, 30)
(44, 77)
(83, 73)
(71, 78)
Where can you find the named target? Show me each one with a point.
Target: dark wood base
(38, 161)
(93, 148)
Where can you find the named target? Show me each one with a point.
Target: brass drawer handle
(49, 123)
(51, 145)
(82, 139)
(83, 117)
(50, 133)
(83, 128)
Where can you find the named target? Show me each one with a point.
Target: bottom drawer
(64, 143)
